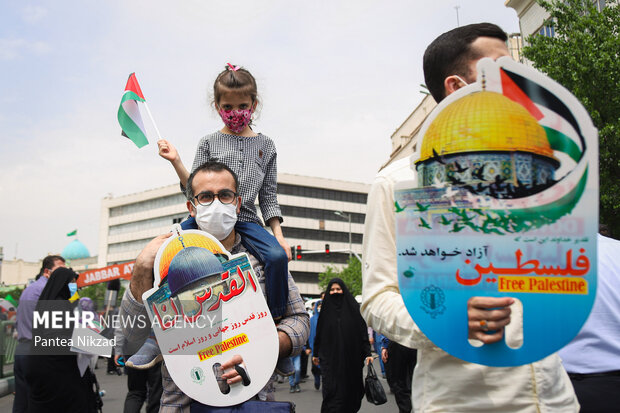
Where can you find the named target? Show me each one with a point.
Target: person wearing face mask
(56, 383)
(214, 202)
(72, 290)
(252, 156)
(342, 349)
(441, 382)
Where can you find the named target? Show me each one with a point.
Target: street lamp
(344, 215)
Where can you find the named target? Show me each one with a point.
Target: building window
(321, 193)
(333, 258)
(320, 214)
(177, 199)
(136, 245)
(600, 4)
(137, 226)
(547, 30)
(319, 235)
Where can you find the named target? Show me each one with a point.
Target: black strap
(371, 371)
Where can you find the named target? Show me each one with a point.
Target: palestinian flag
(566, 125)
(129, 114)
(536, 98)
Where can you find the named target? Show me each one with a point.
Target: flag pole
(152, 120)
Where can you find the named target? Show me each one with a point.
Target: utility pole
(344, 215)
(458, 24)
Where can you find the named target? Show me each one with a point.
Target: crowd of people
(232, 168)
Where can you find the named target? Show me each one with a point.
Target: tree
(351, 275)
(583, 56)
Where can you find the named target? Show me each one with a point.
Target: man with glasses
(213, 200)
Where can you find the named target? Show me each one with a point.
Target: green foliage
(351, 275)
(583, 57)
(14, 292)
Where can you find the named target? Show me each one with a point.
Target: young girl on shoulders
(252, 156)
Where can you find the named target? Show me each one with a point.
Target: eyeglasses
(226, 196)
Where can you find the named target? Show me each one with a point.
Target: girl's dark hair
(231, 80)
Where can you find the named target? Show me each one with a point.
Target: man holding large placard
(210, 181)
(443, 382)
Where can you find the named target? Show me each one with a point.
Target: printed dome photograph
(489, 145)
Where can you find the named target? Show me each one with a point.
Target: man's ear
(451, 84)
(191, 209)
(238, 204)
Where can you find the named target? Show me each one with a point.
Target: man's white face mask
(217, 219)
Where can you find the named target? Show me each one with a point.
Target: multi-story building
(533, 19)
(405, 138)
(309, 206)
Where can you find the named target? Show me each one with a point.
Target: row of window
(287, 210)
(322, 193)
(146, 224)
(331, 258)
(547, 31)
(176, 199)
(284, 189)
(321, 235)
(314, 213)
(305, 277)
(136, 245)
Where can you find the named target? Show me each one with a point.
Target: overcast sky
(336, 79)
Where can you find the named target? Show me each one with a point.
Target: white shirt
(596, 349)
(442, 383)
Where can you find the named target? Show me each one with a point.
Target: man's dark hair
(209, 166)
(48, 264)
(450, 53)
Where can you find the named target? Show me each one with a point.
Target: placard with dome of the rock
(505, 204)
(207, 308)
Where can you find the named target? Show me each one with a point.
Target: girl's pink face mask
(236, 119)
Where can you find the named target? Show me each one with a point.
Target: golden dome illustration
(189, 240)
(484, 121)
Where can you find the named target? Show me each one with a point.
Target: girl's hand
(368, 360)
(315, 361)
(167, 150)
(284, 244)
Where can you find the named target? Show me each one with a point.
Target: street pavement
(306, 401)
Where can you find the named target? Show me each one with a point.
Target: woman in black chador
(56, 384)
(341, 347)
